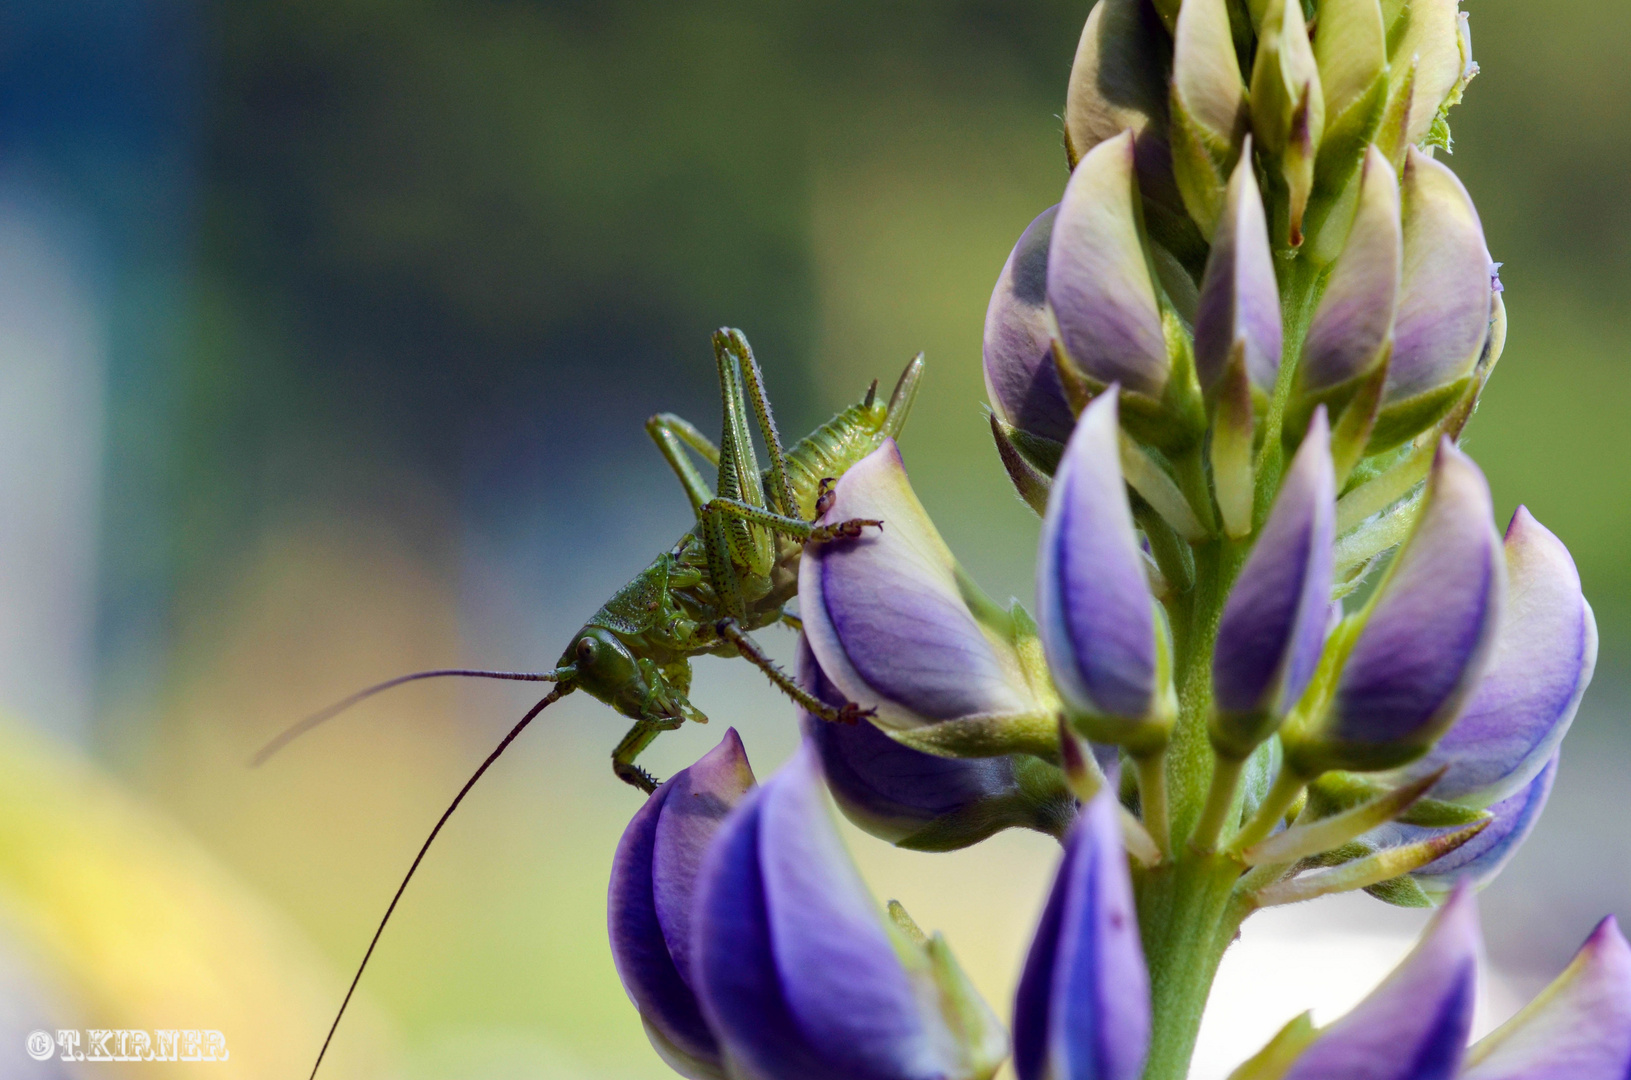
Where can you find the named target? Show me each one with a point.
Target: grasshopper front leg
(639, 737)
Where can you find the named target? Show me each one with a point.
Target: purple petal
(1273, 624)
(1020, 377)
(1579, 1028)
(1094, 606)
(1098, 278)
(1415, 1025)
(796, 971)
(886, 618)
(698, 799)
(1445, 295)
(893, 791)
(1355, 316)
(1481, 858)
(1426, 642)
(1240, 301)
(1083, 1004)
(653, 877)
(1544, 655)
(738, 983)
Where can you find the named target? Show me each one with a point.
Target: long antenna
(294, 732)
(553, 696)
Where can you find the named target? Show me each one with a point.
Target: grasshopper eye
(586, 650)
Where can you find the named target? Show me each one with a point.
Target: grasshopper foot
(851, 713)
(635, 776)
(825, 496)
(841, 530)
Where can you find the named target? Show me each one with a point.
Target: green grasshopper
(738, 567)
(733, 572)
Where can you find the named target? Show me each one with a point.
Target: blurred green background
(328, 332)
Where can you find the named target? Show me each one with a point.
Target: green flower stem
(1220, 800)
(1152, 799)
(1186, 920)
(1281, 797)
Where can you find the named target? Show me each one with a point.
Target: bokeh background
(327, 329)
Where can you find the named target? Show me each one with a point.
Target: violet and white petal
(652, 881)
(1094, 607)
(1239, 299)
(1444, 298)
(1274, 621)
(1099, 284)
(698, 799)
(1579, 1027)
(1545, 652)
(1354, 320)
(1415, 1025)
(1021, 379)
(1083, 1005)
(885, 613)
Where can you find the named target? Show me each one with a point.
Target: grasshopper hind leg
(848, 713)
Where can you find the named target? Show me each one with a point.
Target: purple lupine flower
(1099, 284)
(1444, 297)
(1545, 652)
(1274, 622)
(1578, 1028)
(1415, 1025)
(1426, 640)
(1239, 301)
(923, 801)
(1101, 629)
(1021, 379)
(649, 905)
(1083, 1004)
(799, 974)
(1353, 324)
(894, 622)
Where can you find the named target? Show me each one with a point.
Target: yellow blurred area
(122, 920)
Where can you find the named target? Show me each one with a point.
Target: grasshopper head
(607, 669)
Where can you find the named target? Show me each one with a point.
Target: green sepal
(1338, 791)
(1406, 419)
(1401, 892)
(1030, 482)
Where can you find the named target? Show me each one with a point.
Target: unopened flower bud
(1578, 1027)
(1099, 281)
(1444, 301)
(1352, 328)
(1103, 632)
(1083, 1004)
(799, 972)
(1021, 378)
(1288, 104)
(649, 907)
(922, 801)
(1545, 652)
(1427, 62)
(1274, 622)
(1209, 116)
(898, 626)
(1425, 640)
(1422, 1012)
